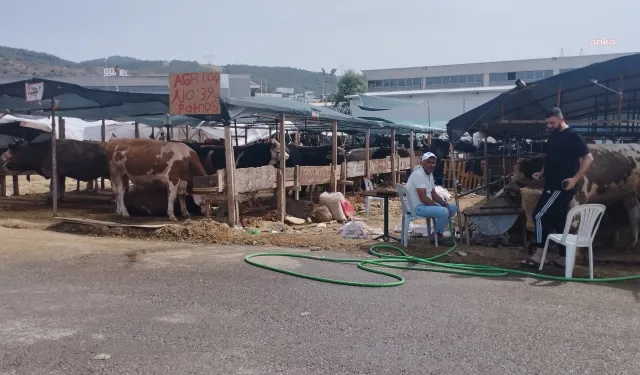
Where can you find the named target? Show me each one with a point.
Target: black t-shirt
(564, 150)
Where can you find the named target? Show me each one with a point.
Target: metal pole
(455, 190)
(54, 163)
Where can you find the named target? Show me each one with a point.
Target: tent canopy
(92, 104)
(583, 97)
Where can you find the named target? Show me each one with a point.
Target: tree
(351, 83)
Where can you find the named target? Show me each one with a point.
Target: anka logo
(603, 42)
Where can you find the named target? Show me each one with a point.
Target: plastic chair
(590, 216)
(368, 186)
(408, 215)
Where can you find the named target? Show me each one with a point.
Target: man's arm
(422, 193)
(585, 163)
(437, 198)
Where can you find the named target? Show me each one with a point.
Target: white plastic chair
(408, 215)
(590, 216)
(368, 186)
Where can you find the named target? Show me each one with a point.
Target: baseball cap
(428, 155)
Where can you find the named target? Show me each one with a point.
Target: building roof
(565, 58)
(433, 91)
(581, 99)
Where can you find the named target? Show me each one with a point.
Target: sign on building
(112, 72)
(285, 90)
(194, 93)
(33, 91)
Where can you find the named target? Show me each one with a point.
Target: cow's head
(275, 152)
(15, 158)
(342, 154)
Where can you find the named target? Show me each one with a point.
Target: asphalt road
(167, 308)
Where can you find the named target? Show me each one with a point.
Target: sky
(342, 34)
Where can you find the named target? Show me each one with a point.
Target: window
(511, 76)
(498, 77)
(372, 84)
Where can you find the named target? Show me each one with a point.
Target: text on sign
(194, 93)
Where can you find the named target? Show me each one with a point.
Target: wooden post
(103, 136)
(559, 95)
(334, 155)
(393, 157)
(298, 138)
(452, 158)
(186, 132)
(230, 172)
(412, 160)
(367, 138)
(486, 163)
(16, 185)
(296, 182)
(504, 162)
(136, 129)
(54, 157)
(61, 128)
(3, 186)
(246, 134)
(282, 196)
(235, 130)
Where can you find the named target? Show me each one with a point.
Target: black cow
(246, 156)
(80, 160)
(312, 155)
(152, 200)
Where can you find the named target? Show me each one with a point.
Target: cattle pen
(599, 101)
(228, 185)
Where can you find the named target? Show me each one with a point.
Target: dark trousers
(550, 215)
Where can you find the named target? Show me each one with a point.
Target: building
(231, 85)
(433, 95)
(497, 73)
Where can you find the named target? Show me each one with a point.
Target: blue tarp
(581, 99)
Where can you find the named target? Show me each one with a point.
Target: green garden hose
(385, 260)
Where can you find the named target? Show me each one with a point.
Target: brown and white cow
(145, 161)
(614, 176)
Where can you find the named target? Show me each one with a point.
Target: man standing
(423, 197)
(567, 160)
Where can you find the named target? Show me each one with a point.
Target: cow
(144, 161)
(312, 155)
(152, 200)
(246, 156)
(359, 154)
(614, 176)
(80, 160)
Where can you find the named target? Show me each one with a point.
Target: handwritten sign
(194, 93)
(33, 91)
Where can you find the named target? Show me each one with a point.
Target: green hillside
(20, 62)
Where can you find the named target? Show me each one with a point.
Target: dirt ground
(30, 211)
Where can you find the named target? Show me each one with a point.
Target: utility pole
(325, 76)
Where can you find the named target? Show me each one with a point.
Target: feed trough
(495, 217)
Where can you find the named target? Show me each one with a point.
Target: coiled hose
(389, 261)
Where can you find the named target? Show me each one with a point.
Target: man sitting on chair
(422, 195)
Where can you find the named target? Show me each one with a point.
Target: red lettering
(190, 95)
(177, 96)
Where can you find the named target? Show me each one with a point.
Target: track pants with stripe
(550, 215)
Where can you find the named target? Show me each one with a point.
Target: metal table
(385, 194)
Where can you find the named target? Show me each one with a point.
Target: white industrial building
(432, 95)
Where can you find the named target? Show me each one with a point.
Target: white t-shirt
(419, 180)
